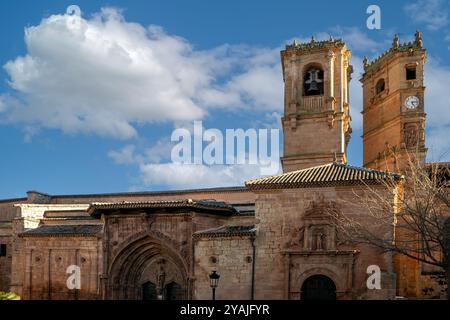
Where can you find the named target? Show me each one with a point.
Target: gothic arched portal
(147, 269)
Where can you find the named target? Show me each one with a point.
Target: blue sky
(83, 111)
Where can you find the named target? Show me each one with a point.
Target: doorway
(318, 287)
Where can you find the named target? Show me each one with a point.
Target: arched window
(313, 82)
(380, 86)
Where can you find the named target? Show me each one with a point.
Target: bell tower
(393, 113)
(316, 121)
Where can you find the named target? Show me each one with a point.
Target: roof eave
(275, 186)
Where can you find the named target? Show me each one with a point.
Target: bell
(313, 86)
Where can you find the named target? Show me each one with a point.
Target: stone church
(269, 239)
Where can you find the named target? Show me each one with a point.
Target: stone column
(331, 57)
(345, 82)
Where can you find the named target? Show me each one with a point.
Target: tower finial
(418, 39)
(396, 42)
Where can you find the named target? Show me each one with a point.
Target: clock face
(412, 102)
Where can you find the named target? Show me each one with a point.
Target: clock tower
(393, 106)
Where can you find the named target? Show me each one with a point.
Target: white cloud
(180, 176)
(130, 154)
(107, 75)
(261, 86)
(271, 120)
(437, 106)
(355, 39)
(160, 151)
(437, 95)
(104, 75)
(433, 13)
(438, 143)
(355, 92)
(29, 133)
(447, 38)
(126, 155)
(155, 168)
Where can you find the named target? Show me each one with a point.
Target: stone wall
(159, 235)
(32, 214)
(281, 214)
(231, 257)
(5, 262)
(7, 213)
(40, 267)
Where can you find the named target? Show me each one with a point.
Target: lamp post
(214, 282)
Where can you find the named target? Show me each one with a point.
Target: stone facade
(40, 265)
(288, 252)
(233, 257)
(7, 213)
(394, 106)
(309, 113)
(271, 239)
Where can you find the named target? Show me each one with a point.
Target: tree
(8, 296)
(407, 215)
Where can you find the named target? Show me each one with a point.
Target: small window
(2, 250)
(410, 73)
(380, 86)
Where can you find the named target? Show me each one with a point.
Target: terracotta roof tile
(155, 204)
(226, 231)
(63, 230)
(325, 175)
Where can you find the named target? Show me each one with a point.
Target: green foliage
(8, 296)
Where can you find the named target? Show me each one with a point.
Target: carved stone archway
(147, 260)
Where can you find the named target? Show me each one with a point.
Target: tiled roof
(226, 231)
(212, 205)
(325, 175)
(245, 209)
(79, 230)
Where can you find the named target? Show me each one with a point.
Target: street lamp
(214, 282)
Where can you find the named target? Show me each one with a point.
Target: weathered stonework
(269, 240)
(232, 258)
(390, 127)
(283, 265)
(323, 114)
